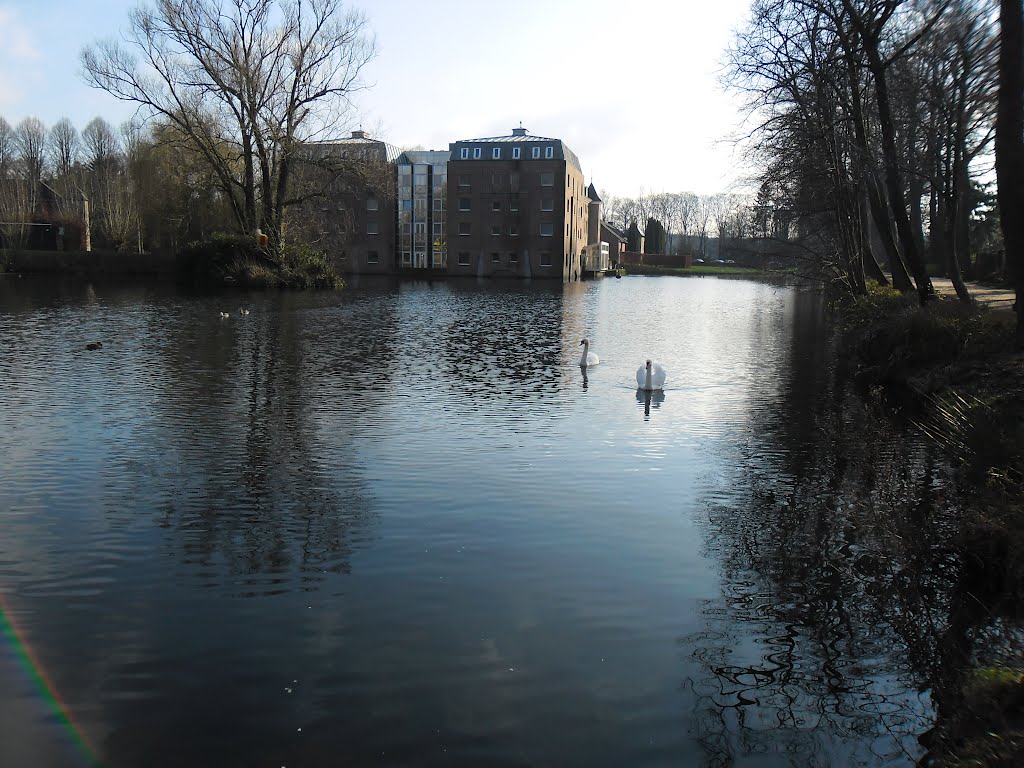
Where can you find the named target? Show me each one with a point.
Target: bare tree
(100, 144)
(64, 146)
(247, 82)
(6, 147)
(30, 142)
(1010, 146)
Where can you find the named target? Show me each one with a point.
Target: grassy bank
(233, 261)
(698, 269)
(966, 395)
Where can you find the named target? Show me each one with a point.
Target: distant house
(634, 239)
(616, 241)
(31, 217)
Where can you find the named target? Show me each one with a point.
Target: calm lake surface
(396, 525)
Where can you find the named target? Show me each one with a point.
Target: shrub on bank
(237, 260)
(886, 337)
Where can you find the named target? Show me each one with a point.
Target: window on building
(372, 257)
(497, 179)
(513, 230)
(476, 153)
(463, 203)
(547, 229)
(371, 204)
(496, 205)
(495, 230)
(464, 258)
(513, 257)
(545, 258)
(515, 153)
(463, 179)
(438, 203)
(495, 257)
(496, 153)
(407, 205)
(406, 258)
(437, 227)
(536, 153)
(464, 228)
(549, 152)
(420, 227)
(547, 179)
(371, 228)
(464, 155)
(547, 204)
(513, 204)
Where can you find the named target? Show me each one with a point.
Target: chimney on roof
(360, 134)
(520, 131)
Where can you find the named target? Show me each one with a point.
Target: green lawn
(697, 269)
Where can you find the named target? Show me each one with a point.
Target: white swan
(588, 358)
(225, 314)
(650, 376)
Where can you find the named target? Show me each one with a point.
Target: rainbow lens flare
(17, 640)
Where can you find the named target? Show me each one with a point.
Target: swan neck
(647, 377)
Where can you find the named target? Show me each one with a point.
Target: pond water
(398, 525)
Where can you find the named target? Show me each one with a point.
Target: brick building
(517, 206)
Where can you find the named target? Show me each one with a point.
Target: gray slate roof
(562, 152)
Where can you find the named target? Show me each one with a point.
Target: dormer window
(476, 153)
(515, 153)
(536, 153)
(465, 153)
(549, 152)
(496, 153)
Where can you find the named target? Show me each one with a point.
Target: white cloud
(18, 55)
(18, 47)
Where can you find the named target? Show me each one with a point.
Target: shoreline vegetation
(697, 269)
(239, 262)
(954, 368)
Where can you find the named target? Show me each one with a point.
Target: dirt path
(996, 299)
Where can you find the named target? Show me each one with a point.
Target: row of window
(547, 229)
(421, 170)
(421, 204)
(547, 179)
(549, 153)
(513, 258)
(546, 204)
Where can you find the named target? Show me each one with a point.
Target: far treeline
(233, 98)
(876, 126)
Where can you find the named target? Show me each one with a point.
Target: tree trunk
(871, 266)
(1010, 147)
(901, 280)
(894, 181)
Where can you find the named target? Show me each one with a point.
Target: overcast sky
(631, 85)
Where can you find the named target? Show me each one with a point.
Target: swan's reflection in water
(583, 370)
(647, 397)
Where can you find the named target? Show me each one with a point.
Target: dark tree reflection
(254, 440)
(847, 615)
